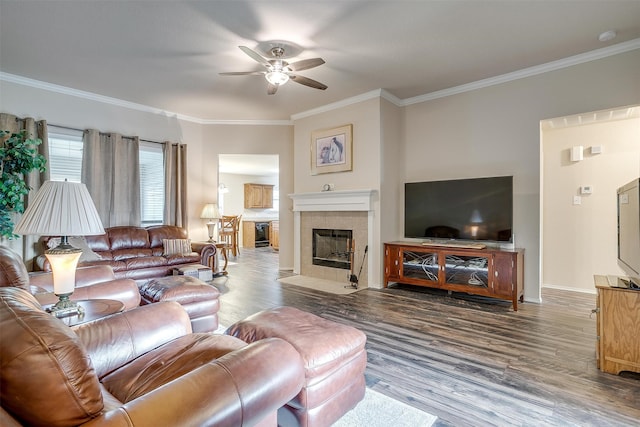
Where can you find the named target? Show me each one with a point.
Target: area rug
(340, 288)
(378, 410)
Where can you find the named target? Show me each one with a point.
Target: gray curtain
(110, 170)
(27, 245)
(175, 184)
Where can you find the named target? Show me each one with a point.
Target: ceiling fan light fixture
(276, 77)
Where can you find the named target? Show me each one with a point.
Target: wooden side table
(224, 247)
(94, 309)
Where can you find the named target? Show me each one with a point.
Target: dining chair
(229, 226)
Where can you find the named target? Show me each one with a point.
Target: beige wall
(486, 132)
(581, 240)
(496, 131)
(365, 117)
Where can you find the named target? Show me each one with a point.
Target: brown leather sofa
(137, 252)
(142, 367)
(91, 282)
(198, 299)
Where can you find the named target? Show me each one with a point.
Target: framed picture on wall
(331, 150)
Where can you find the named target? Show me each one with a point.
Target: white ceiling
(167, 54)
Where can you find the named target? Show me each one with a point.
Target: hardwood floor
(471, 361)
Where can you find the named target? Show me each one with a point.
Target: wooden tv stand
(489, 272)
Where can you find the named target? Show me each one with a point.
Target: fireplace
(332, 248)
(336, 210)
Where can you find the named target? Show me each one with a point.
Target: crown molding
(338, 104)
(24, 81)
(528, 72)
(378, 93)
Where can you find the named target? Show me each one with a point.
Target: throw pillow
(176, 246)
(77, 242)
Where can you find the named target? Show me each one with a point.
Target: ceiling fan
(279, 71)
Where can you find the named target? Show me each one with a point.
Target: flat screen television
(461, 209)
(629, 229)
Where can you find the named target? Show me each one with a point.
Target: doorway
(584, 159)
(236, 170)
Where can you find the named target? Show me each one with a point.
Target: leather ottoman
(334, 359)
(199, 300)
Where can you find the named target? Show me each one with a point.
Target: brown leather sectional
(142, 367)
(199, 299)
(137, 252)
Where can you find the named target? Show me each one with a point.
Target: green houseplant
(18, 156)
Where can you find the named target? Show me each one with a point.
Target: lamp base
(65, 307)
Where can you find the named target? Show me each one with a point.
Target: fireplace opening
(332, 248)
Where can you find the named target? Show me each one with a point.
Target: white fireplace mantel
(327, 201)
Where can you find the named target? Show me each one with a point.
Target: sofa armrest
(96, 282)
(85, 276)
(114, 341)
(207, 253)
(240, 388)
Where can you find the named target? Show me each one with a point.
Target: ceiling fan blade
(271, 89)
(243, 73)
(255, 56)
(307, 82)
(305, 64)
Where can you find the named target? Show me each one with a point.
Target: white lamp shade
(61, 208)
(63, 267)
(210, 211)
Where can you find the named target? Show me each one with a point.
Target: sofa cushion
(128, 237)
(157, 233)
(63, 390)
(99, 243)
(166, 363)
(145, 262)
(126, 253)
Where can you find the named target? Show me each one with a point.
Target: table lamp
(62, 208)
(211, 212)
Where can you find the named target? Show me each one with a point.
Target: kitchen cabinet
(258, 196)
(274, 235)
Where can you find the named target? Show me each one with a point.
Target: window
(65, 162)
(65, 154)
(151, 183)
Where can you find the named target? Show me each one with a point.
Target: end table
(94, 309)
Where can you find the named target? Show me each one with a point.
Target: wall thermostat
(585, 189)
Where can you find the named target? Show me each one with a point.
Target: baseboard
(567, 288)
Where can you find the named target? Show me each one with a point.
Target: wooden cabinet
(274, 235)
(618, 325)
(258, 196)
(260, 234)
(489, 272)
(248, 234)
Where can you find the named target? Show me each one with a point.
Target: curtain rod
(101, 133)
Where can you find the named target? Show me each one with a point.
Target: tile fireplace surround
(346, 210)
